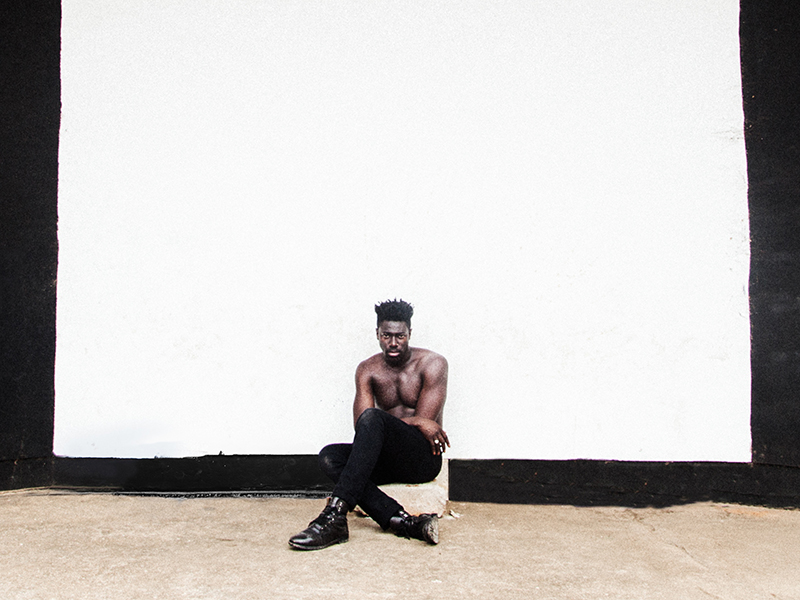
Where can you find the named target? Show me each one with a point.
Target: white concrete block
(418, 498)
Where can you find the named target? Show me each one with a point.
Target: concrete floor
(84, 546)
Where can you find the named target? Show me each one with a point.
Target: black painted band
(576, 482)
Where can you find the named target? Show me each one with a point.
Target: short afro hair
(394, 310)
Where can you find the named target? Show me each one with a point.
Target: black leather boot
(424, 527)
(329, 528)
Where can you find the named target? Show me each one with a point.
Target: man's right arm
(364, 398)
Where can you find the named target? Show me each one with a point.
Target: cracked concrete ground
(92, 546)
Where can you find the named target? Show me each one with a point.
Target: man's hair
(394, 310)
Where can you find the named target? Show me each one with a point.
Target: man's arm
(364, 398)
(430, 405)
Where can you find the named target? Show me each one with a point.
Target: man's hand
(433, 432)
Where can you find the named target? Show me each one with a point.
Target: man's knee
(370, 416)
(330, 460)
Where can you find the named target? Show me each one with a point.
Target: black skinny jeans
(384, 450)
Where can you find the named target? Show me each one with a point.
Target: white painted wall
(559, 188)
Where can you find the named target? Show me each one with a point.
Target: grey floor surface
(93, 546)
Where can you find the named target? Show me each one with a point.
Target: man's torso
(397, 389)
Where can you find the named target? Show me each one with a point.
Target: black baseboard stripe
(292, 474)
(576, 482)
(26, 473)
(621, 483)
(274, 474)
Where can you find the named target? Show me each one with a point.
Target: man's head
(394, 330)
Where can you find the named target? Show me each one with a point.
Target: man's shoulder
(429, 356)
(370, 364)
(430, 360)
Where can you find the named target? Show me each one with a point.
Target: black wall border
(769, 36)
(29, 126)
(30, 116)
(622, 483)
(281, 474)
(575, 482)
(292, 475)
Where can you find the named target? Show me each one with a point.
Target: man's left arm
(430, 404)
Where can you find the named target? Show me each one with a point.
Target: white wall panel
(559, 188)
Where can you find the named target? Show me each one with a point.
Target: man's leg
(384, 450)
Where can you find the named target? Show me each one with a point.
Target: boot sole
(328, 545)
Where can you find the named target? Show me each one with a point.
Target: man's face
(393, 336)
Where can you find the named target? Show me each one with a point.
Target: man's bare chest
(394, 389)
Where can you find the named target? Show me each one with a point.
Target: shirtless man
(397, 413)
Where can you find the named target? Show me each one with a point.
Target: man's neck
(400, 363)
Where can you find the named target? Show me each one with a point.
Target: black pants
(384, 450)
